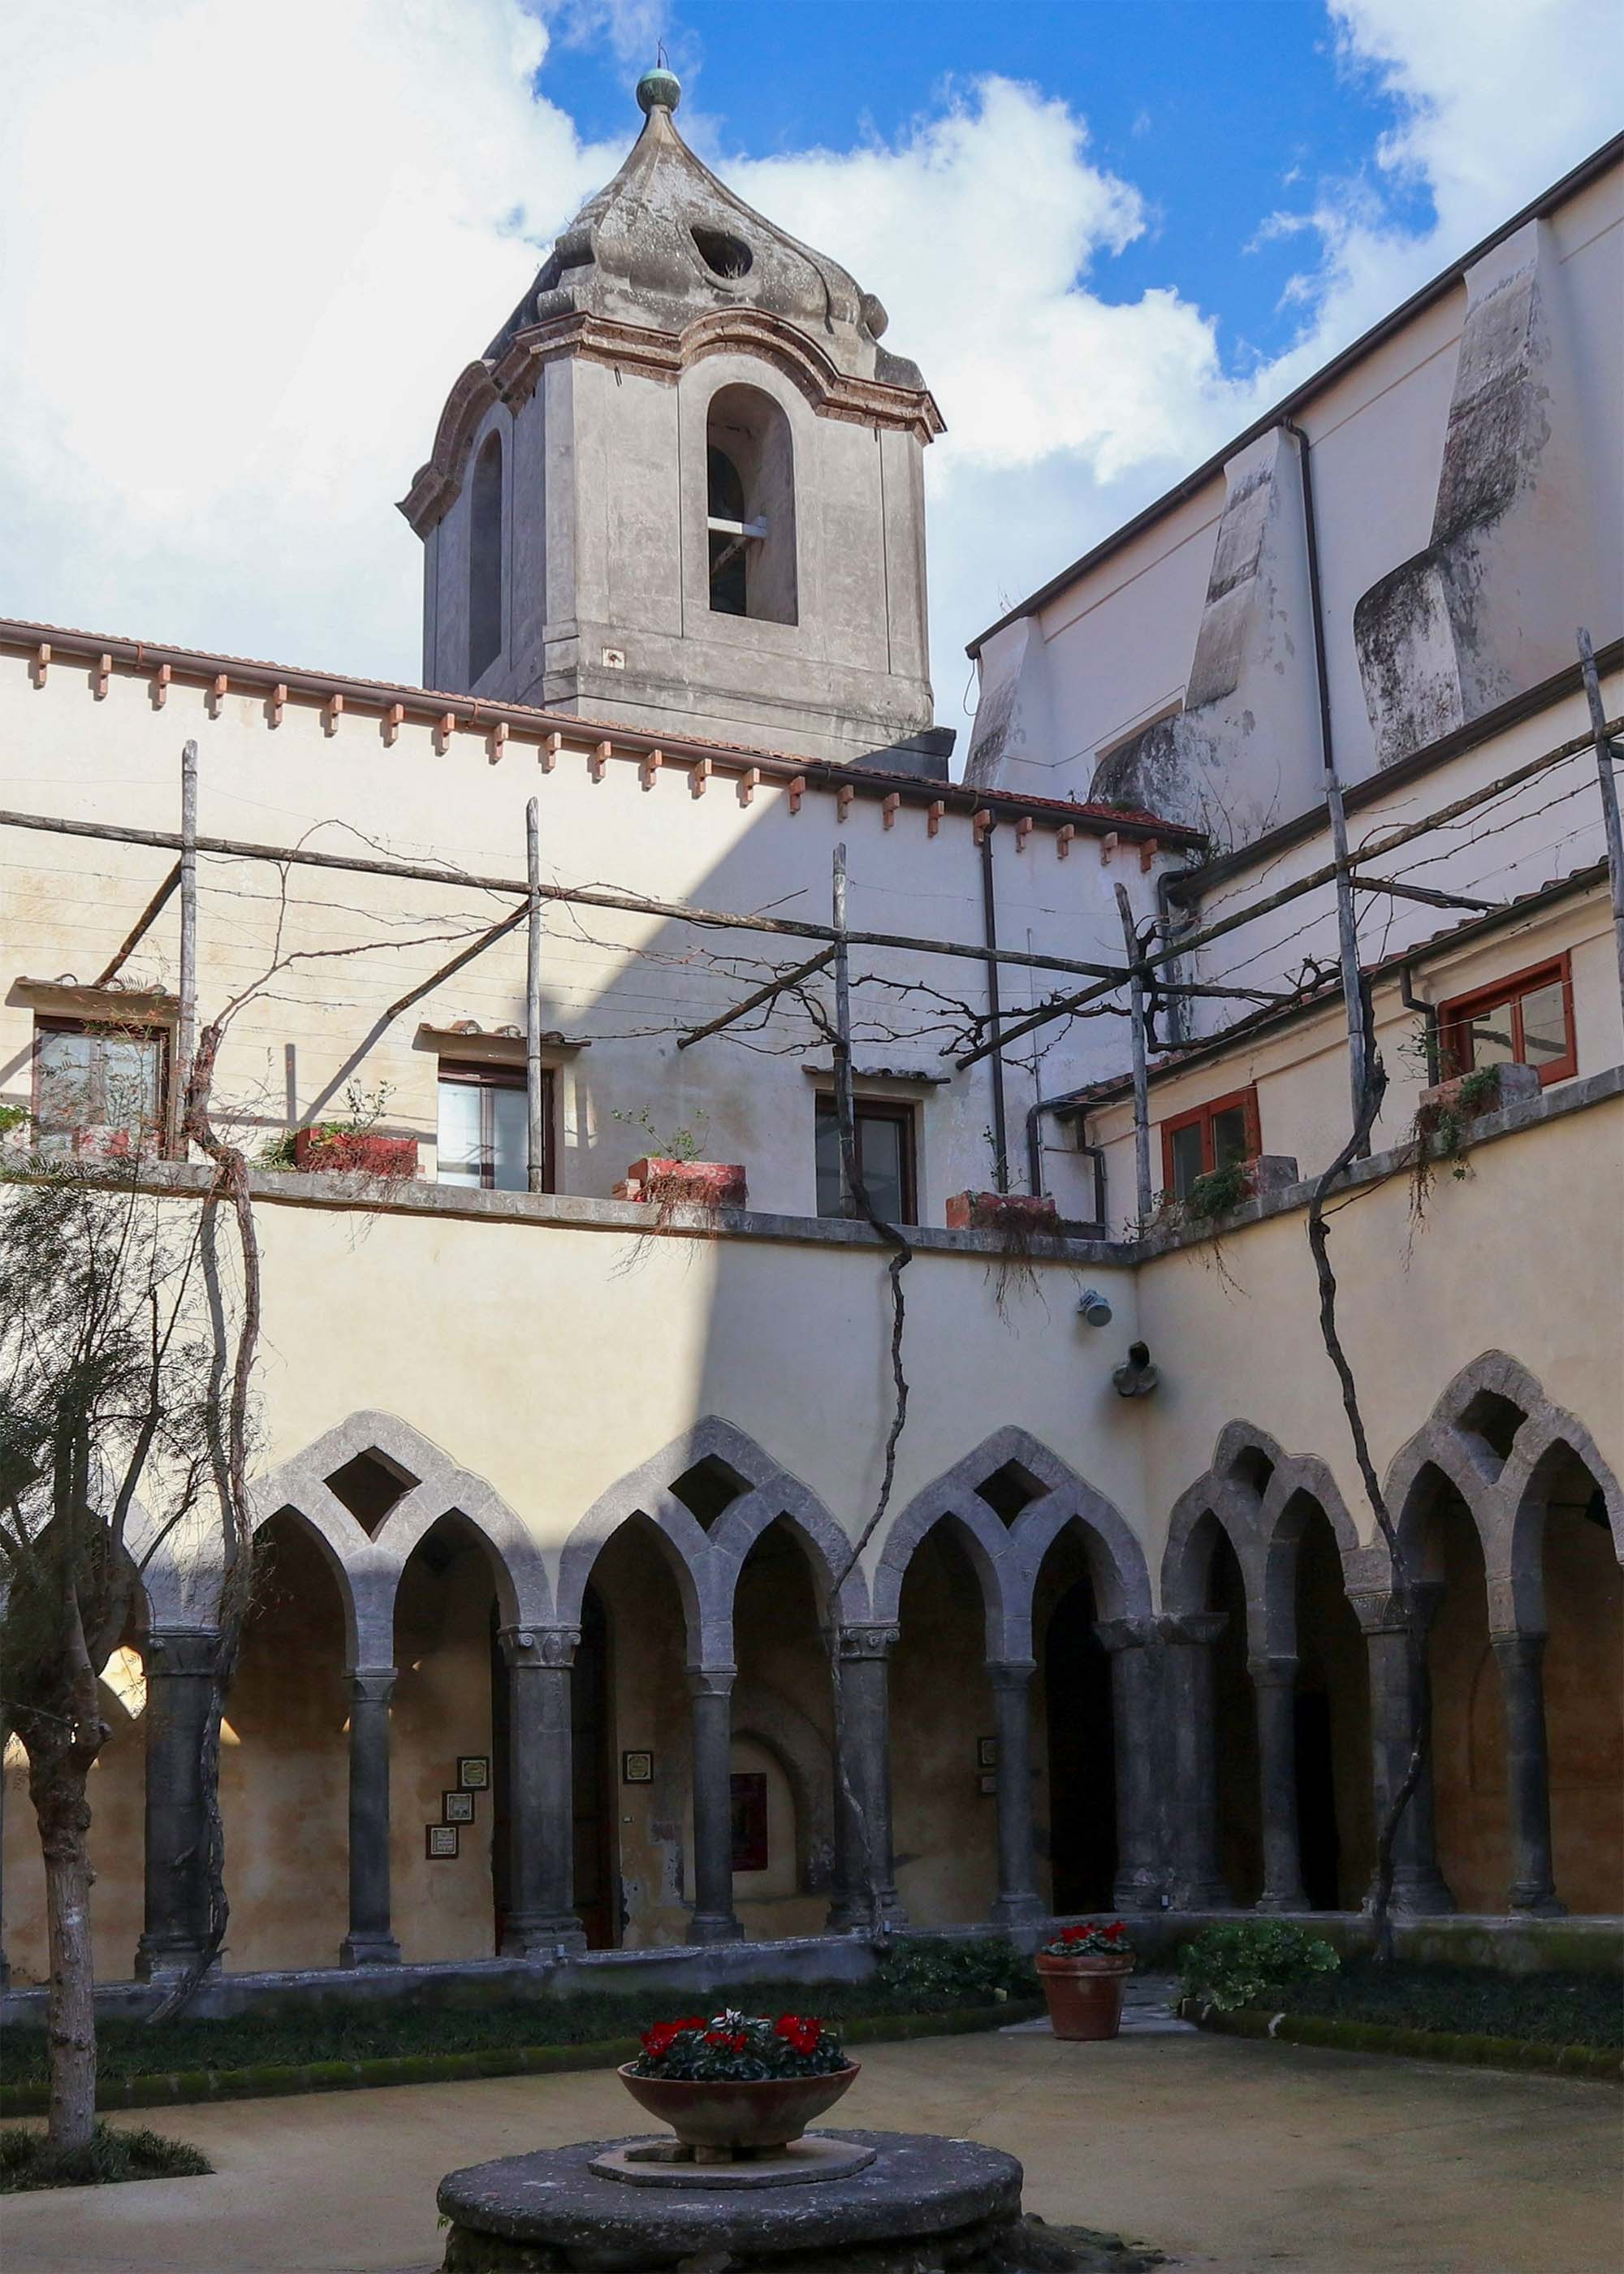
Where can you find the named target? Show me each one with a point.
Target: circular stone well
(532, 2214)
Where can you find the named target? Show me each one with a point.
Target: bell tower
(682, 489)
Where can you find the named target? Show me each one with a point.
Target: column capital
(711, 1681)
(182, 1649)
(1522, 1646)
(1385, 1612)
(554, 1646)
(371, 1685)
(1010, 1672)
(1271, 1672)
(866, 1641)
(1196, 1626)
(1127, 1634)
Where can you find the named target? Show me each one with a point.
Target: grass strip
(182, 2087)
(1344, 2036)
(28, 2160)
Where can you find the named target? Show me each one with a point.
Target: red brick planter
(354, 1151)
(685, 1183)
(1470, 1097)
(730, 2115)
(1083, 1994)
(1001, 1212)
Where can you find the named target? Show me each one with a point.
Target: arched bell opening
(750, 506)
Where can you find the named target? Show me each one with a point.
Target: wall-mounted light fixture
(1093, 1306)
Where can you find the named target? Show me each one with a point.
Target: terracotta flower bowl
(722, 2114)
(1085, 1994)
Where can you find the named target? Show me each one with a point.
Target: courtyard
(1227, 2155)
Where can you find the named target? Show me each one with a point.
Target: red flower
(1076, 1934)
(657, 2041)
(733, 2040)
(799, 2031)
(1116, 1932)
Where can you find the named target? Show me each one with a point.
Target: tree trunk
(57, 1789)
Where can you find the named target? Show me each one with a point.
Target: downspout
(990, 938)
(1411, 1001)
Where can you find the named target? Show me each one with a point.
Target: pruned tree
(109, 1351)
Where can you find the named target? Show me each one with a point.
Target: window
(1209, 1137)
(99, 1088)
(884, 1159)
(750, 506)
(1528, 1018)
(484, 560)
(484, 1134)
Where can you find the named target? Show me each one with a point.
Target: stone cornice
(663, 357)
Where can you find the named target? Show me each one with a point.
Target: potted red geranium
(738, 2083)
(1084, 1971)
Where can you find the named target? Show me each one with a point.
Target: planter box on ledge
(1003, 1212)
(354, 1152)
(685, 1183)
(1468, 1097)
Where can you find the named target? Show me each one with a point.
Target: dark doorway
(596, 1901)
(1235, 1718)
(1320, 1848)
(1082, 1755)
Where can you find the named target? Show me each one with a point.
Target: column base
(562, 1935)
(848, 1916)
(1276, 1902)
(369, 1950)
(1424, 1896)
(1137, 1891)
(1012, 1911)
(1199, 1895)
(166, 1960)
(1536, 1902)
(715, 1926)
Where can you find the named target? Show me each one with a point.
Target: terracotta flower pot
(1083, 1994)
(720, 2113)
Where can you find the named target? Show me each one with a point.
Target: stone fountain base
(918, 2206)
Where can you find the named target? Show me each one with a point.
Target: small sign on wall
(474, 1771)
(439, 1841)
(456, 1807)
(986, 1753)
(637, 1768)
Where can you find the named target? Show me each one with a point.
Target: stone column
(1019, 1900)
(182, 1664)
(6, 1963)
(711, 1709)
(539, 1915)
(1418, 1886)
(1196, 1883)
(1521, 1659)
(1274, 1686)
(865, 1888)
(1135, 1712)
(369, 1941)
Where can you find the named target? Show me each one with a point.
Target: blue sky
(1220, 111)
(1110, 234)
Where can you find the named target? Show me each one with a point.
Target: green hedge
(158, 2089)
(1550, 2010)
(1347, 2036)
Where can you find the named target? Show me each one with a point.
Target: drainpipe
(1411, 1001)
(1346, 928)
(989, 938)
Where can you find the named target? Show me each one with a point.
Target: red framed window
(484, 1135)
(1526, 1020)
(1208, 1137)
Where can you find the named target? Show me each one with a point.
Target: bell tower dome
(682, 488)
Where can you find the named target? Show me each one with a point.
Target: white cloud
(251, 250)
